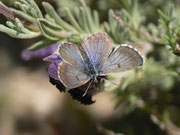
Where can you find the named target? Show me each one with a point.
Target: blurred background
(146, 103)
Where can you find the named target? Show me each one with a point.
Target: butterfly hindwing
(72, 76)
(122, 58)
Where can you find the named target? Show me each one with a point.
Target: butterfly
(84, 66)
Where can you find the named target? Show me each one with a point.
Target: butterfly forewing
(98, 47)
(70, 53)
(123, 58)
(71, 76)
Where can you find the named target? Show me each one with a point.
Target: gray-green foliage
(73, 24)
(170, 25)
(77, 23)
(147, 88)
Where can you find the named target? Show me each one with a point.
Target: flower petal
(41, 53)
(53, 67)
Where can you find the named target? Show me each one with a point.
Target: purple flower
(53, 67)
(41, 53)
(46, 54)
(53, 71)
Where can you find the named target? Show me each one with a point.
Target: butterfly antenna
(87, 88)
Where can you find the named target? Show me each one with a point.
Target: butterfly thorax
(91, 70)
(89, 65)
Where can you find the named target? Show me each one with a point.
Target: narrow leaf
(41, 44)
(52, 13)
(25, 16)
(51, 30)
(15, 34)
(72, 20)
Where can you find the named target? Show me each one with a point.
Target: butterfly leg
(88, 87)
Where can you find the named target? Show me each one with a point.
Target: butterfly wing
(122, 58)
(70, 53)
(71, 76)
(72, 70)
(98, 47)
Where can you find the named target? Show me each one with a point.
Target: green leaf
(33, 5)
(25, 16)
(90, 20)
(41, 44)
(20, 6)
(163, 15)
(29, 7)
(96, 18)
(51, 30)
(84, 22)
(173, 73)
(15, 34)
(72, 20)
(52, 13)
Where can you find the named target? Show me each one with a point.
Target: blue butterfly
(93, 60)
